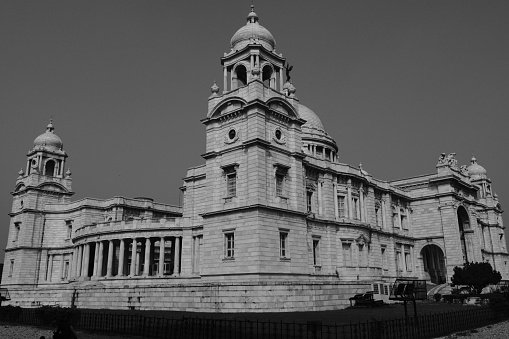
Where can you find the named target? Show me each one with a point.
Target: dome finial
(50, 127)
(252, 17)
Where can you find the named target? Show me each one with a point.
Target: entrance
(434, 263)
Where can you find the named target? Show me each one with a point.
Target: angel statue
(288, 69)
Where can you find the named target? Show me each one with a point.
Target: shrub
(476, 275)
(437, 297)
(50, 315)
(10, 313)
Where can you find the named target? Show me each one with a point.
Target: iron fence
(424, 326)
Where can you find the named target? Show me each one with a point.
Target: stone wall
(197, 297)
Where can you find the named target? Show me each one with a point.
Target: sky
(126, 82)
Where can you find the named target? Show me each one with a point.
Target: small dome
(49, 140)
(252, 32)
(313, 130)
(476, 171)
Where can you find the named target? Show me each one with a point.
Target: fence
(425, 326)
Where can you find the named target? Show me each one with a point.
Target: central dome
(252, 32)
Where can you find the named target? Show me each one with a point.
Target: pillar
(86, 260)
(320, 208)
(100, 259)
(384, 215)
(134, 250)
(361, 200)
(79, 261)
(74, 262)
(50, 267)
(176, 266)
(349, 198)
(96, 257)
(161, 257)
(109, 267)
(146, 264)
(62, 266)
(335, 192)
(121, 255)
(225, 79)
(280, 79)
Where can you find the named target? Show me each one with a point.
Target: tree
(476, 275)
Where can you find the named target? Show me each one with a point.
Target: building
(272, 221)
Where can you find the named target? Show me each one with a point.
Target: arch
(53, 186)
(49, 168)
(434, 263)
(463, 225)
(267, 74)
(239, 78)
(289, 109)
(220, 107)
(19, 187)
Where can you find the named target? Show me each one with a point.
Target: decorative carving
(288, 69)
(464, 170)
(449, 160)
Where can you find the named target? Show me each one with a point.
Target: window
(355, 208)
(384, 258)
(283, 245)
(229, 245)
(17, 226)
(66, 270)
(399, 258)
(279, 184)
(316, 252)
(341, 206)
(347, 254)
(68, 223)
(231, 184)
(403, 217)
(309, 201)
(375, 289)
(408, 259)
(11, 268)
(395, 217)
(363, 255)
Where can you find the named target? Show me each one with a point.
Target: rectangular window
(386, 290)
(66, 270)
(384, 258)
(279, 184)
(355, 208)
(69, 229)
(375, 289)
(229, 245)
(341, 206)
(347, 254)
(408, 259)
(11, 268)
(309, 201)
(231, 184)
(316, 252)
(283, 245)
(17, 226)
(399, 258)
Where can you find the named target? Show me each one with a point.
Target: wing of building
(272, 221)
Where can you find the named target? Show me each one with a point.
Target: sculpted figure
(441, 159)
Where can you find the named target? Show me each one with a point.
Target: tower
(43, 182)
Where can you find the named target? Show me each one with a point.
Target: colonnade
(128, 257)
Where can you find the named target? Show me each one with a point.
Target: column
(50, 267)
(361, 199)
(320, 197)
(161, 257)
(74, 262)
(96, 257)
(399, 217)
(62, 266)
(280, 79)
(100, 259)
(408, 219)
(384, 216)
(349, 198)
(250, 71)
(86, 259)
(121, 255)
(109, 267)
(134, 250)
(176, 266)
(146, 264)
(225, 79)
(79, 260)
(335, 192)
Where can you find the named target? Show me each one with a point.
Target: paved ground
(496, 331)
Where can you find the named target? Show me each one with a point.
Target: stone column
(74, 262)
(361, 199)
(320, 203)
(121, 255)
(62, 266)
(86, 260)
(384, 215)
(79, 261)
(146, 264)
(349, 199)
(50, 267)
(133, 258)
(176, 266)
(96, 257)
(100, 259)
(109, 267)
(335, 192)
(161, 257)
(225, 79)
(280, 79)
(408, 219)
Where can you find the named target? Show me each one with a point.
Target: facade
(272, 221)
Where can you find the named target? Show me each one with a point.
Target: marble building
(271, 221)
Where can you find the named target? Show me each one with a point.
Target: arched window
(241, 74)
(267, 76)
(49, 168)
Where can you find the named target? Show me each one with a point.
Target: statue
(288, 69)
(451, 160)
(441, 159)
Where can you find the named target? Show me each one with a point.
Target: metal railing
(121, 322)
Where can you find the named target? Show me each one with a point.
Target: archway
(464, 225)
(267, 76)
(241, 75)
(49, 168)
(434, 263)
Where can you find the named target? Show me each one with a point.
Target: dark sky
(396, 83)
